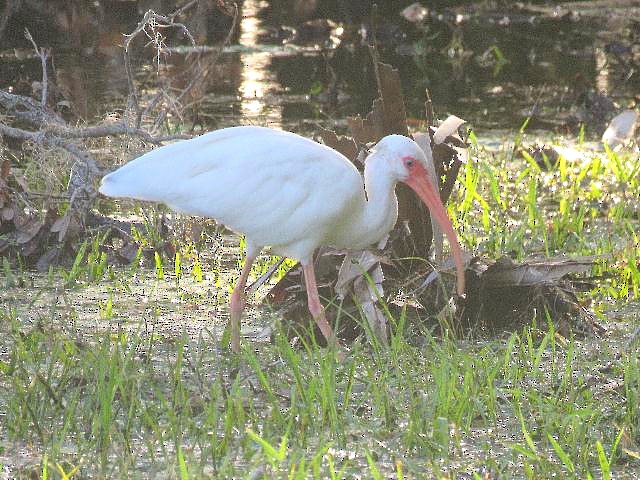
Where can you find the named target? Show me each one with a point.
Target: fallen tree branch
(28, 110)
(114, 130)
(41, 137)
(20, 134)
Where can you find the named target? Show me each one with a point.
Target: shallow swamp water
(298, 64)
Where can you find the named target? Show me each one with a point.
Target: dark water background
(298, 63)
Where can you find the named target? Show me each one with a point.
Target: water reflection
(257, 79)
(488, 68)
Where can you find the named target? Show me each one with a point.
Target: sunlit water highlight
(257, 80)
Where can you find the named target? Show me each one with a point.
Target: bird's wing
(274, 186)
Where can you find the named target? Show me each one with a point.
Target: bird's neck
(380, 212)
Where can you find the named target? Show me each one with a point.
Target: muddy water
(297, 64)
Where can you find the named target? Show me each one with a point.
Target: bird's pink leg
(315, 307)
(237, 304)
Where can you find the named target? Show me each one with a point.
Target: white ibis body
(285, 191)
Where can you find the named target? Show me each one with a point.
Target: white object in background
(620, 129)
(415, 13)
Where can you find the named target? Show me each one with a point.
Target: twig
(201, 73)
(428, 112)
(152, 104)
(154, 21)
(182, 9)
(265, 276)
(43, 53)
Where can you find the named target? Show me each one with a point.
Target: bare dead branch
(182, 9)
(28, 110)
(36, 124)
(42, 137)
(20, 134)
(200, 72)
(53, 132)
(150, 25)
(428, 112)
(43, 54)
(81, 190)
(115, 130)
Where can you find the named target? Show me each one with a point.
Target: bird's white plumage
(277, 188)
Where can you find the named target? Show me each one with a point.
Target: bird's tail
(110, 186)
(120, 185)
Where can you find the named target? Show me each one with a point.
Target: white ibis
(286, 191)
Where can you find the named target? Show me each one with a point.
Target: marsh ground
(117, 371)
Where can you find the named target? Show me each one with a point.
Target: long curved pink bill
(421, 184)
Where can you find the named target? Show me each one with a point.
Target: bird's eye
(409, 161)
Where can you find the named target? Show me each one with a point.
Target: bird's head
(407, 163)
(402, 157)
